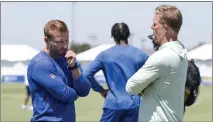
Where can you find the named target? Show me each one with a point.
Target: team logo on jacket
(52, 75)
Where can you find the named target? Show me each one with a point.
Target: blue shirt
(53, 88)
(118, 64)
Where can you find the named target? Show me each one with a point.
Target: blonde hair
(170, 15)
(54, 25)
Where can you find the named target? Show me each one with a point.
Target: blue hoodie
(118, 64)
(53, 88)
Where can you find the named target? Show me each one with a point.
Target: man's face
(58, 45)
(158, 32)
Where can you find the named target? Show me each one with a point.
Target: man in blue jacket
(55, 78)
(118, 64)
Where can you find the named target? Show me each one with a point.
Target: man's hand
(71, 58)
(71, 61)
(104, 93)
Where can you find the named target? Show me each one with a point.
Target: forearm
(56, 87)
(82, 85)
(140, 80)
(95, 85)
(76, 73)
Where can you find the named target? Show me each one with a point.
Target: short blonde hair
(170, 15)
(54, 25)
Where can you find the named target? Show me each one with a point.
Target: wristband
(74, 67)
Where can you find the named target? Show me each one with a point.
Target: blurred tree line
(78, 48)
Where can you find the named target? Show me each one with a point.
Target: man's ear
(166, 27)
(46, 39)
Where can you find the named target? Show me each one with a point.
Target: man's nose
(152, 27)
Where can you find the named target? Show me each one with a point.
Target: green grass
(90, 108)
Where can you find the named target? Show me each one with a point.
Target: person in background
(25, 106)
(118, 64)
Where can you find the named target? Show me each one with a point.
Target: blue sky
(23, 22)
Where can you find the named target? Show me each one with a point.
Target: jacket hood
(177, 47)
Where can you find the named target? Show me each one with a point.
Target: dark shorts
(110, 115)
(28, 90)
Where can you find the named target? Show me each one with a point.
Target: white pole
(73, 31)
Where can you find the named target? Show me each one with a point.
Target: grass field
(89, 108)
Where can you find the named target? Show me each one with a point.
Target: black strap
(74, 67)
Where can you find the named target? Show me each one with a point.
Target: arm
(144, 76)
(45, 75)
(91, 70)
(81, 83)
